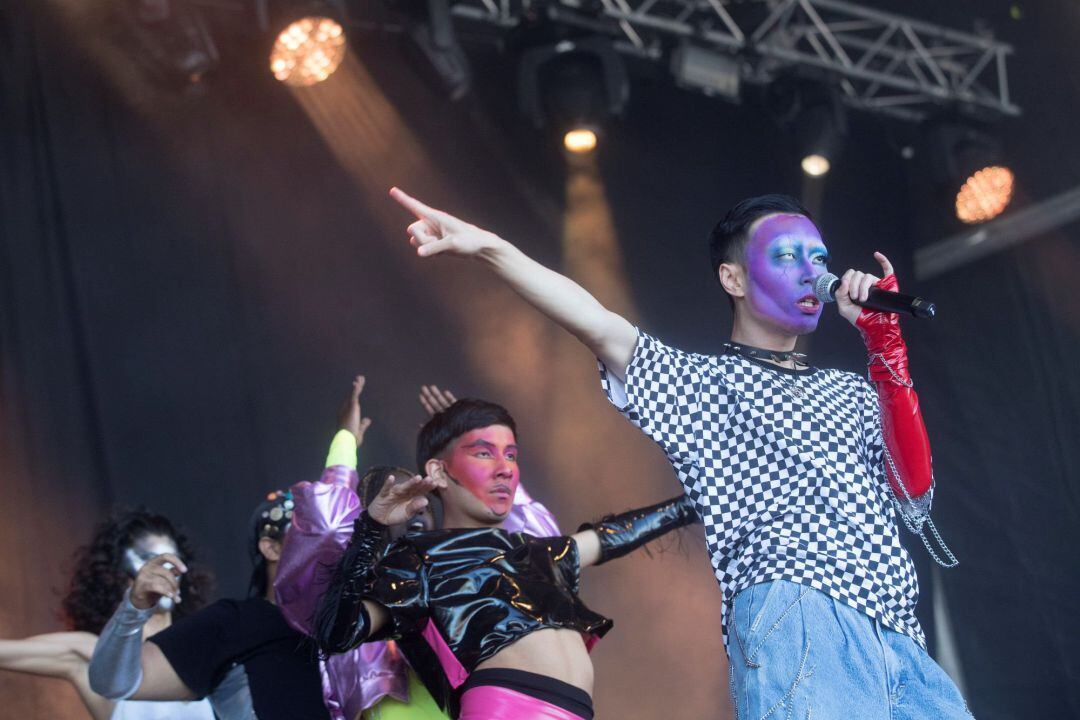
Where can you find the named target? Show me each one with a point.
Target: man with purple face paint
(799, 473)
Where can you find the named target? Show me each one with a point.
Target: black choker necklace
(767, 355)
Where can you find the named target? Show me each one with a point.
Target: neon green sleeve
(342, 450)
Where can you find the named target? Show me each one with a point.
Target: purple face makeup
(784, 256)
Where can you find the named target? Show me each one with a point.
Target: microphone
(878, 299)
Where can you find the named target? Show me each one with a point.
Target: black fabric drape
(189, 281)
(1001, 395)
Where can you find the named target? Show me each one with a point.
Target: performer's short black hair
(453, 422)
(728, 239)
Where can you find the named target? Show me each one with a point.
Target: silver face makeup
(144, 549)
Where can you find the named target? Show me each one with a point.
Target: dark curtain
(188, 282)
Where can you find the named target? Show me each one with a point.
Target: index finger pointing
(886, 266)
(414, 206)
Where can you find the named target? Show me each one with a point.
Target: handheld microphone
(878, 299)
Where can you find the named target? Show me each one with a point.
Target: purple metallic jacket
(322, 524)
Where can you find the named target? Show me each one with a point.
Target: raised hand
(399, 501)
(350, 418)
(855, 288)
(158, 577)
(437, 232)
(435, 400)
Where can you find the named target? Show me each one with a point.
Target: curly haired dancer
(104, 570)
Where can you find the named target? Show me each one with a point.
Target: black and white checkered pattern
(791, 485)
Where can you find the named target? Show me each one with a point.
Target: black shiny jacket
(482, 589)
(457, 597)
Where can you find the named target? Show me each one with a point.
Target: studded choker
(767, 355)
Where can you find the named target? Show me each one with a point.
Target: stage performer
(489, 619)
(241, 654)
(104, 569)
(372, 680)
(798, 472)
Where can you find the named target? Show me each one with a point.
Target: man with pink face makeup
(372, 681)
(489, 619)
(798, 473)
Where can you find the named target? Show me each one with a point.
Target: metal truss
(883, 63)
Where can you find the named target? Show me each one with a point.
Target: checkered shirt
(789, 487)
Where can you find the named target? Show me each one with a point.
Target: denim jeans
(797, 654)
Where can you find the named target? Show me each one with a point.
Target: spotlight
(984, 195)
(580, 140)
(820, 130)
(965, 161)
(815, 116)
(573, 86)
(815, 165)
(308, 51)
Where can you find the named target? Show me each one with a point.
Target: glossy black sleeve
(341, 620)
(624, 533)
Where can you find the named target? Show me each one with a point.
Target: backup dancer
(489, 619)
(799, 473)
(104, 569)
(373, 679)
(240, 654)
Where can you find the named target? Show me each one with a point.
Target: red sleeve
(902, 424)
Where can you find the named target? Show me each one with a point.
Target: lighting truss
(884, 63)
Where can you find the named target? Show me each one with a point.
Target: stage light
(814, 115)
(984, 195)
(819, 130)
(573, 87)
(308, 51)
(815, 165)
(965, 161)
(580, 140)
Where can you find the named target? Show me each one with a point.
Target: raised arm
(434, 400)
(911, 472)
(322, 521)
(618, 535)
(608, 335)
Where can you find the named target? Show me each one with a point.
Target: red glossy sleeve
(901, 420)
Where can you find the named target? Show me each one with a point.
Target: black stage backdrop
(188, 281)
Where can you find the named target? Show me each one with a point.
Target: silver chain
(919, 525)
(896, 377)
(792, 387)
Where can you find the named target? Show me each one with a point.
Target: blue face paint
(783, 258)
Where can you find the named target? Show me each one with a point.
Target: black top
(457, 597)
(281, 667)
